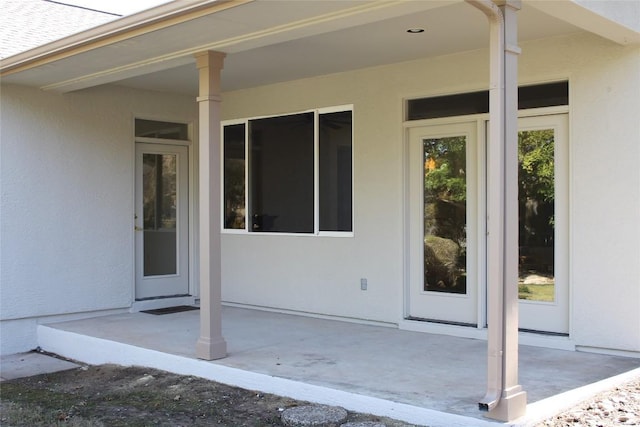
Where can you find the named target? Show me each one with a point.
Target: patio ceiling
(265, 41)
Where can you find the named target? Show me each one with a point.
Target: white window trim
(316, 174)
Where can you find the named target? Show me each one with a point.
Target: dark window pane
(234, 185)
(445, 215)
(534, 96)
(448, 106)
(335, 171)
(162, 130)
(546, 95)
(281, 173)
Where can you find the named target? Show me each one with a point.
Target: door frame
(549, 310)
(415, 224)
(192, 144)
(563, 341)
(176, 283)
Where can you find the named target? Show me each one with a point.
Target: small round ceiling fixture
(415, 30)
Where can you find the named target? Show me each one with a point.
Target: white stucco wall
(67, 194)
(322, 275)
(605, 185)
(67, 202)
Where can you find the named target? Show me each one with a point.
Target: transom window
(289, 173)
(533, 96)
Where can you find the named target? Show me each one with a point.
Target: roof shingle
(26, 24)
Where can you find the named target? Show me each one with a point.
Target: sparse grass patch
(113, 396)
(535, 292)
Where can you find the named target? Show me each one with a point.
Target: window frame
(316, 174)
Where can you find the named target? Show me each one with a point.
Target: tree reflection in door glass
(159, 210)
(445, 218)
(536, 197)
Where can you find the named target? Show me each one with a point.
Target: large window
(289, 174)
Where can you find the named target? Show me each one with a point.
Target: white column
(211, 345)
(513, 403)
(505, 400)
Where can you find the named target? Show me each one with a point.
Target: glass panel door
(442, 239)
(543, 195)
(161, 221)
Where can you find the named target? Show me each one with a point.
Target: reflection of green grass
(536, 292)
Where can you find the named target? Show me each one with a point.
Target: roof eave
(120, 29)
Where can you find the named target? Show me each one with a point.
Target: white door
(443, 222)
(543, 196)
(446, 224)
(161, 221)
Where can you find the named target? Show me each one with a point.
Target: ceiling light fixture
(415, 30)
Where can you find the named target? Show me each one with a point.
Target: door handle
(136, 228)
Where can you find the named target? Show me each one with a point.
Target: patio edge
(97, 351)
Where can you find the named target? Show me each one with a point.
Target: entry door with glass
(161, 221)
(443, 223)
(543, 196)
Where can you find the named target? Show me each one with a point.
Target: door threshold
(157, 303)
(547, 333)
(170, 310)
(442, 322)
(559, 342)
(416, 324)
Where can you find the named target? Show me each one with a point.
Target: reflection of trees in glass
(234, 168)
(159, 191)
(445, 195)
(536, 206)
(234, 193)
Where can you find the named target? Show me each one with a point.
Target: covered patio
(420, 378)
(265, 61)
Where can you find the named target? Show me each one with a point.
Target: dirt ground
(110, 395)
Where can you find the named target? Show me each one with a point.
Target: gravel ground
(617, 407)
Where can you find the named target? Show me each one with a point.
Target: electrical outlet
(363, 284)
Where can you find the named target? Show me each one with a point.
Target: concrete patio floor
(312, 358)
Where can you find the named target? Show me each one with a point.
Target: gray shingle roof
(26, 24)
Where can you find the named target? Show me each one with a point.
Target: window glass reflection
(445, 218)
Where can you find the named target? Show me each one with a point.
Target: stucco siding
(606, 200)
(322, 275)
(67, 194)
(67, 199)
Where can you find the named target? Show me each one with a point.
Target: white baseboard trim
(609, 351)
(310, 314)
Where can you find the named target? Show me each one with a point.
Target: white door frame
(562, 258)
(174, 284)
(442, 307)
(553, 317)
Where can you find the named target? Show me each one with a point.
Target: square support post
(505, 400)
(513, 401)
(211, 345)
